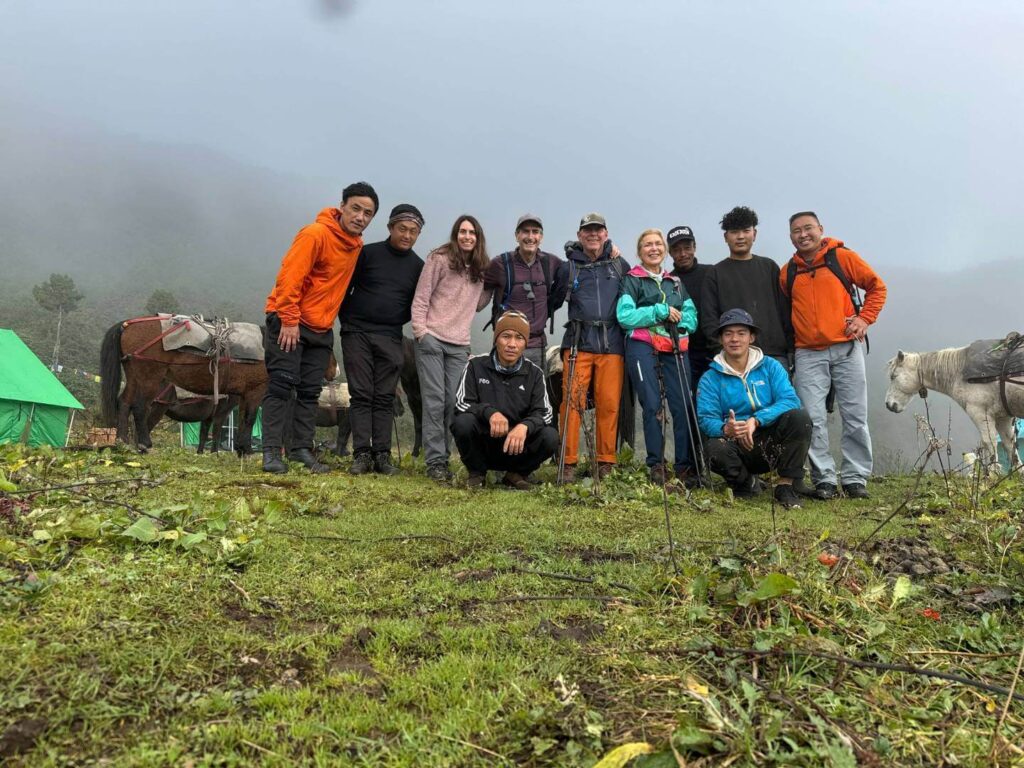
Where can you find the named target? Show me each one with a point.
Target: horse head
(904, 380)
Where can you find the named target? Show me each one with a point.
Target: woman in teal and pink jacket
(651, 302)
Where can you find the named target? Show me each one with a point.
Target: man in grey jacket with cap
(520, 280)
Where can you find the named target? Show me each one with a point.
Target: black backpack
(833, 265)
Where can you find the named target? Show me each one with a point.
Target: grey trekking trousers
(440, 366)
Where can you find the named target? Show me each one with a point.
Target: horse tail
(110, 373)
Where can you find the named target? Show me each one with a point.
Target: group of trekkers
(747, 358)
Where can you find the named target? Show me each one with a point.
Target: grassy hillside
(179, 610)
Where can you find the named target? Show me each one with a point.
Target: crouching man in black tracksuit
(502, 414)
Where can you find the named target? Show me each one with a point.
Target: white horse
(912, 373)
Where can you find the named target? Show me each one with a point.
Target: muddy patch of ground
(574, 629)
(21, 736)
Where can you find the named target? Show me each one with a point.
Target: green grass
(261, 644)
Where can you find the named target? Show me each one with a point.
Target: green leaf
(191, 540)
(771, 586)
(7, 485)
(621, 755)
(900, 590)
(143, 529)
(87, 527)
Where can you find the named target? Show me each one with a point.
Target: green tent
(35, 408)
(190, 431)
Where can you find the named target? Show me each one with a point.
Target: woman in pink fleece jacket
(442, 309)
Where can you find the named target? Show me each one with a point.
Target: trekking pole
(575, 331)
(664, 480)
(398, 440)
(684, 384)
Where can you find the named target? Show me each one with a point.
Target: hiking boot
(516, 481)
(658, 475)
(825, 492)
(786, 497)
(568, 474)
(604, 469)
(362, 464)
(272, 461)
(439, 473)
(382, 463)
(688, 477)
(476, 480)
(749, 489)
(856, 491)
(305, 456)
(800, 488)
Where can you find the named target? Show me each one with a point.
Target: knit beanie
(406, 212)
(512, 321)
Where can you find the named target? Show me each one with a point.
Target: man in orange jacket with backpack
(830, 322)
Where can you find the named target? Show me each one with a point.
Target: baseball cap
(593, 219)
(679, 234)
(735, 317)
(529, 217)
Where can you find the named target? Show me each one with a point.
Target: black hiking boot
(786, 497)
(305, 456)
(751, 488)
(825, 492)
(856, 491)
(272, 461)
(382, 463)
(362, 464)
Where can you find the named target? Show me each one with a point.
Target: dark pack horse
(136, 346)
(193, 408)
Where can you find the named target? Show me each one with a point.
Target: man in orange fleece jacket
(830, 331)
(311, 283)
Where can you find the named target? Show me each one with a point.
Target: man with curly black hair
(750, 282)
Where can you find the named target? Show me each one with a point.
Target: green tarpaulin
(190, 431)
(34, 406)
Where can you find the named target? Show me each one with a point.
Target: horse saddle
(993, 359)
(236, 341)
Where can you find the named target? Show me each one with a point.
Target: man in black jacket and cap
(377, 305)
(502, 414)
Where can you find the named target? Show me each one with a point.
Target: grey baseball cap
(529, 217)
(592, 220)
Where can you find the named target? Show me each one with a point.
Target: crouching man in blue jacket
(751, 415)
(502, 414)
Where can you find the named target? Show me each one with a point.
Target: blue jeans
(642, 363)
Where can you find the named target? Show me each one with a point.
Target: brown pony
(136, 345)
(195, 408)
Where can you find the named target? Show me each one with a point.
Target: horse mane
(943, 367)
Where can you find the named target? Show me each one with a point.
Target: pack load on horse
(976, 377)
(187, 407)
(203, 357)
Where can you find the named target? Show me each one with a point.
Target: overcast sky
(899, 122)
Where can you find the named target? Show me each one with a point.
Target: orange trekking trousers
(606, 372)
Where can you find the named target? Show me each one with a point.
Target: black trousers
(372, 364)
(297, 375)
(481, 452)
(782, 446)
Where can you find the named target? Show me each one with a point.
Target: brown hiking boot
(658, 474)
(604, 469)
(517, 481)
(568, 475)
(476, 480)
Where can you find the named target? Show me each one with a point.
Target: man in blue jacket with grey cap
(751, 415)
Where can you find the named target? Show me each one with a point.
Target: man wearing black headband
(377, 305)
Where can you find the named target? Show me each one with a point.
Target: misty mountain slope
(114, 211)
